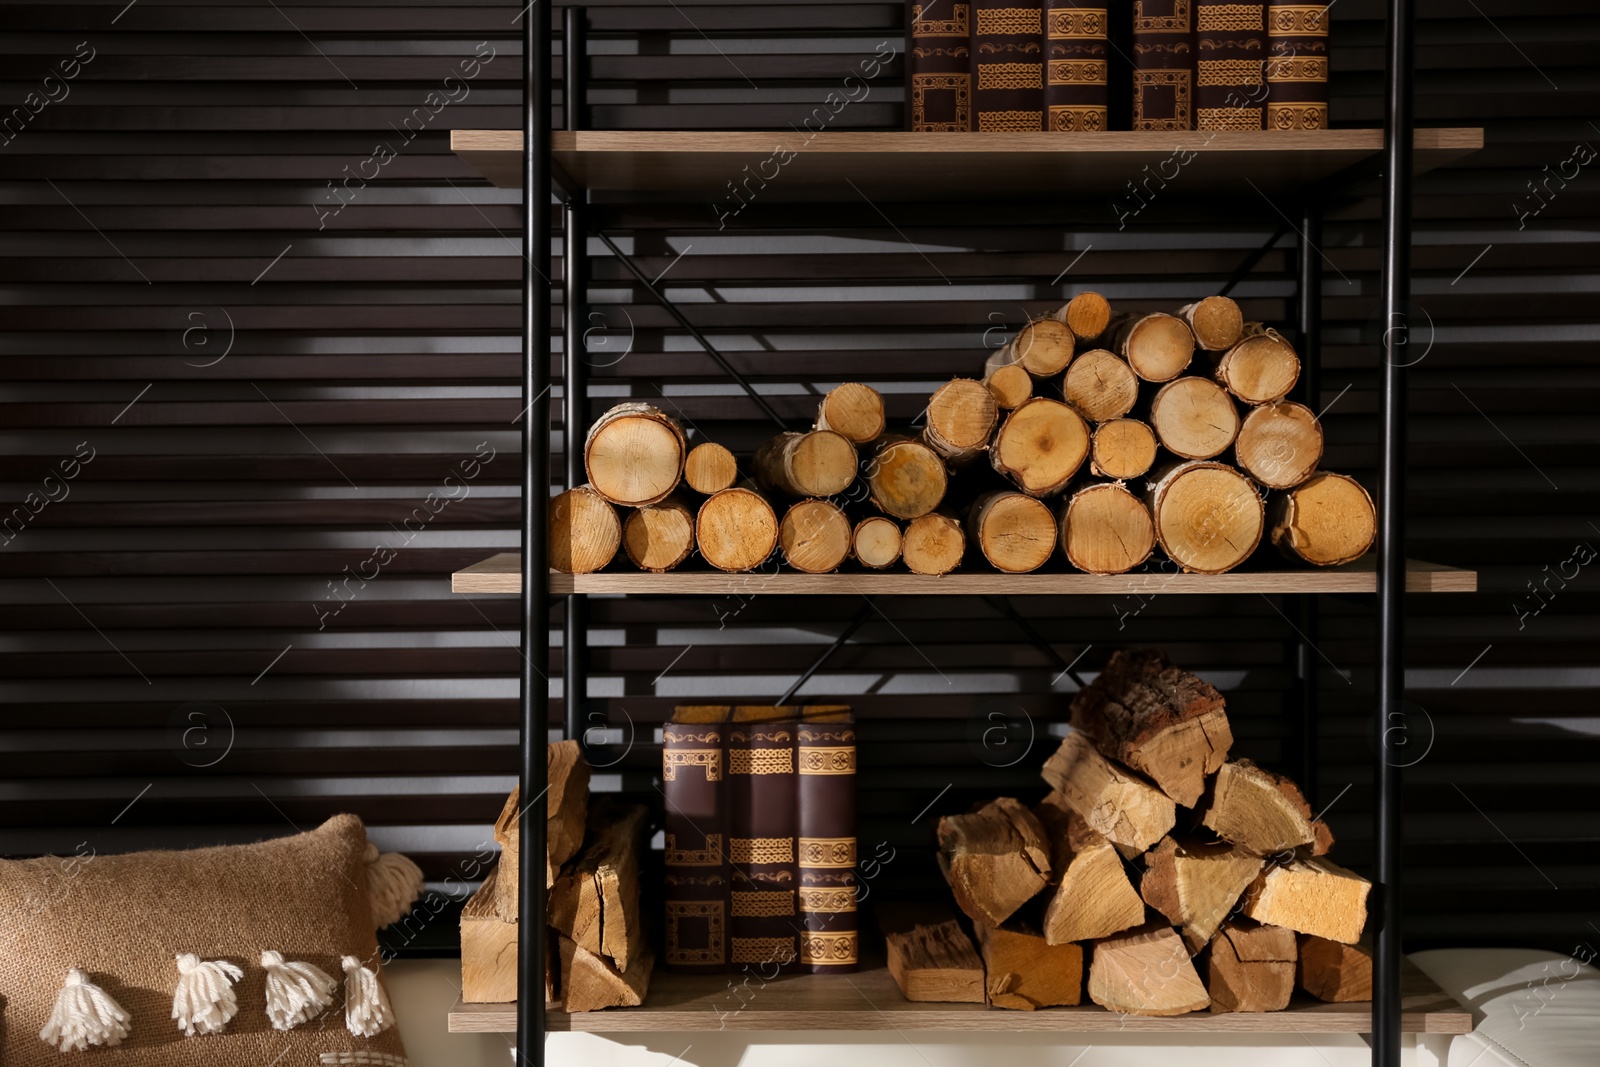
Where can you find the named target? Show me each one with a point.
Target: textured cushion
(1533, 1008)
(123, 920)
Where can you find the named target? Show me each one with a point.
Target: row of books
(760, 839)
(1091, 65)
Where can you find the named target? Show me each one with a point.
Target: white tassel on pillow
(204, 1001)
(296, 992)
(393, 884)
(84, 1015)
(366, 1005)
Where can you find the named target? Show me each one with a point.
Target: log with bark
(1335, 972)
(1009, 384)
(1326, 520)
(1122, 449)
(710, 468)
(634, 454)
(1088, 315)
(1216, 322)
(1040, 446)
(1093, 895)
(567, 778)
(658, 537)
(933, 544)
(1208, 517)
(876, 542)
(818, 463)
(1025, 972)
(1251, 967)
(1043, 347)
(1279, 445)
(1105, 529)
(595, 899)
(1146, 971)
(854, 410)
(584, 531)
(930, 957)
(1113, 802)
(1015, 532)
(1261, 368)
(1196, 884)
(1194, 418)
(736, 530)
(1100, 385)
(814, 536)
(1312, 895)
(995, 859)
(1262, 811)
(906, 478)
(961, 418)
(1158, 347)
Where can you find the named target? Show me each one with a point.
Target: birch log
(1010, 385)
(819, 463)
(907, 479)
(1208, 517)
(1280, 444)
(1106, 530)
(815, 536)
(710, 468)
(961, 418)
(634, 454)
(736, 530)
(854, 410)
(1100, 385)
(1087, 315)
(1043, 347)
(1158, 347)
(1194, 418)
(1040, 446)
(658, 537)
(933, 544)
(876, 542)
(1326, 520)
(1261, 368)
(1015, 532)
(1122, 449)
(1216, 322)
(584, 531)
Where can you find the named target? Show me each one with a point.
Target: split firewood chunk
(1126, 809)
(566, 798)
(1093, 895)
(489, 947)
(1024, 971)
(1311, 895)
(595, 900)
(1145, 972)
(1196, 885)
(1262, 811)
(1335, 972)
(589, 983)
(1251, 968)
(930, 956)
(995, 859)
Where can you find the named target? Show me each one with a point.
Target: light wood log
(815, 536)
(961, 418)
(907, 479)
(1251, 968)
(710, 468)
(876, 542)
(589, 983)
(819, 463)
(1122, 449)
(584, 531)
(567, 780)
(1113, 802)
(1335, 972)
(736, 530)
(595, 899)
(930, 957)
(1043, 347)
(1146, 971)
(1261, 368)
(1158, 719)
(1088, 315)
(1326, 520)
(1100, 385)
(995, 859)
(1312, 895)
(1106, 530)
(1158, 347)
(1208, 516)
(1279, 445)
(634, 454)
(1040, 446)
(488, 948)
(933, 544)
(854, 410)
(1010, 385)
(1262, 811)
(1194, 418)
(1015, 532)
(1025, 972)
(1093, 895)
(1196, 885)
(658, 537)
(1216, 322)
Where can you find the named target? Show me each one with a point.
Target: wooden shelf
(890, 165)
(502, 573)
(869, 1000)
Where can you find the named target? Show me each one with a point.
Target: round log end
(736, 530)
(907, 479)
(961, 417)
(1100, 385)
(658, 537)
(815, 536)
(877, 542)
(822, 463)
(710, 468)
(1217, 323)
(1123, 448)
(1327, 520)
(1015, 532)
(634, 458)
(933, 544)
(1044, 347)
(1010, 385)
(1208, 517)
(1159, 347)
(854, 410)
(1280, 444)
(1195, 418)
(1088, 315)
(1041, 446)
(584, 531)
(1106, 530)
(1260, 369)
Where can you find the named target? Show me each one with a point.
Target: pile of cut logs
(592, 860)
(1077, 404)
(1153, 859)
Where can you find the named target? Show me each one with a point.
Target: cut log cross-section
(736, 530)
(1196, 885)
(1145, 972)
(1216, 322)
(815, 536)
(1158, 347)
(1015, 532)
(1094, 896)
(1208, 516)
(1251, 968)
(1025, 972)
(1279, 445)
(995, 859)
(658, 537)
(1106, 530)
(961, 418)
(1262, 811)
(1127, 810)
(933, 544)
(584, 531)
(1088, 315)
(930, 957)
(1100, 385)
(1311, 895)
(819, 463)
(634, 454)
(1335, 972)
(1040, 446)
(1194, 418)
(710, 468)
(907, 479)
(1122, 449)
(876, 542)
(1043, 347)
(1328, 519)
(854, 410)
(1261, 368)
(1009, 384)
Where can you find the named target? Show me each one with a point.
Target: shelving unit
(1301, 167)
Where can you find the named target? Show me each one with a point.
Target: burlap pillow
(124, 919)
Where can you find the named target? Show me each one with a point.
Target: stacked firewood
(600, 956)
(1154, 860)
(1076, 406)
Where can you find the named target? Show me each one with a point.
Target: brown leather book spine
(1163, 64)
(1007, 65)
(828, 895)
(1075, 58)
(939, 86)
(1297, 66)
(694, 783)
(1231, 51)
(764, 823)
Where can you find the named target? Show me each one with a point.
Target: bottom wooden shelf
(869, 1000)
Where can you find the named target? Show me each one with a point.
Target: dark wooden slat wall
(196, 647)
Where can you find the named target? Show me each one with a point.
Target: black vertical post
(1398, 121)
(575, 377)
(534, 685)
(1309, 314)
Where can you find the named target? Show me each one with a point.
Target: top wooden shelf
(892, 165)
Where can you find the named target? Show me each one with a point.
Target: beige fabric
(125, 919)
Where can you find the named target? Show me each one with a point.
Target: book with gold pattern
(1075, 59)
(695, 891)
(1297, 66)
(1007, 65)
(1230, 79)
(1163, 65)
(826, 756)
(939, 66)
(762, 825)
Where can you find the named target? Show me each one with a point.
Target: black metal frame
(1390, 682)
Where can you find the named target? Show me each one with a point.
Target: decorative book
(939, 66)
(1231, 51)
(762, 823)
(694, 783)
(1163, 64)
(1297, 66)
(1075, 65)
(1007, 65)
(826, 749)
